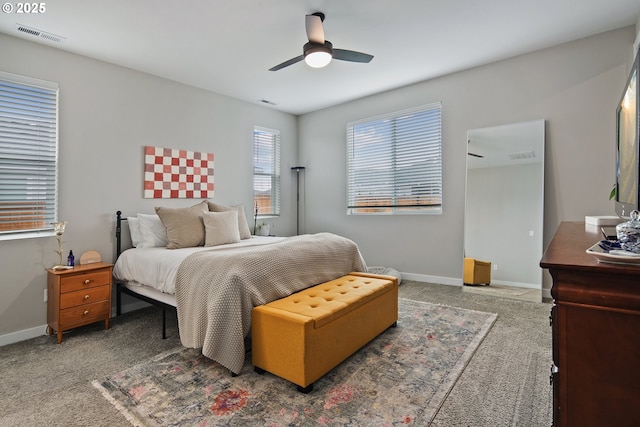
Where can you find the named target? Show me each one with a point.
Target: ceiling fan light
(317, 58)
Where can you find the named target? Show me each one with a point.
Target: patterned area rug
(400, 378)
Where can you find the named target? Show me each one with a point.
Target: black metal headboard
(119, 220)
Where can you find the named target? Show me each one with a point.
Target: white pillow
(221, 228)
(152, 231)
(134, 231)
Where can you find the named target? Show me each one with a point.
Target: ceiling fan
(318, 52)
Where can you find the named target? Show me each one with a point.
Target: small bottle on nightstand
(70, 259)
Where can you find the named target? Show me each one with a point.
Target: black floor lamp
(297, 169)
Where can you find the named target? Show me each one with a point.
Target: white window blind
(394, 162)
(28, 154)
(266, 171)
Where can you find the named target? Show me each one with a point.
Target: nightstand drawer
(84, 296)
(84, 314)
(92, 279)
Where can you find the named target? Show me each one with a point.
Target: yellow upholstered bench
(305, 335)
(476, 272)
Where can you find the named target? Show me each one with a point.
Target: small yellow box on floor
(476, 272)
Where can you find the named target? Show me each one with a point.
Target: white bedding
(157, 267)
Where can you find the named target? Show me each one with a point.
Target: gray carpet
(507, 381)
(505, 384)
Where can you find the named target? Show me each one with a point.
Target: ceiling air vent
(524, 155)
(39, 33)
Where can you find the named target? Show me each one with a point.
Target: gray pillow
(243, 226)
(221, 228)
(185, 228)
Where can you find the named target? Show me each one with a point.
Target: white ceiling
(227, 46)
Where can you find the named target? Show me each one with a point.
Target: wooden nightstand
(78, 296)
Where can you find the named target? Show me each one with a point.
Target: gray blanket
(216, 290)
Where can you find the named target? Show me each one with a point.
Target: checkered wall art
(177, 174)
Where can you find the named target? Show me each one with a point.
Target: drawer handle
(86, 282)
(86, 312)
(86, 297)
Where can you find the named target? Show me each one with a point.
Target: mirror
(504, 203)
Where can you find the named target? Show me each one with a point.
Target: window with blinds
(28, 155)
(266, 171)
(394, 162)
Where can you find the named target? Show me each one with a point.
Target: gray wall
(107, 114)
(575, 87)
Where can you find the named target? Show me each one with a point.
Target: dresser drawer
(84, 296)
(85, 314)
(90, 279)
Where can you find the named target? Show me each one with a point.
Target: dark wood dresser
(595, 323)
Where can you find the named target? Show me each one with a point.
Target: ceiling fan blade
(351, 56)
(287, 63)
(315, 32)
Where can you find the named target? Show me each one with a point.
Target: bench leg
(307, 389)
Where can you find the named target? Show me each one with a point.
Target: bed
(214, 288)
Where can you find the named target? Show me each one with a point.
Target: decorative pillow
(152, 231)
(221, 228)
(243, 226)
(134, 231)
(185, 228)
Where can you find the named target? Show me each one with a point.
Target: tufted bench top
(331, 300)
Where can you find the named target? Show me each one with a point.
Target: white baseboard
(515, 284)
(23, 335)
(27, 334)
(432, 279)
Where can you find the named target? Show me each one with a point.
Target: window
(395, 162)
(266, 171)
(28, 155)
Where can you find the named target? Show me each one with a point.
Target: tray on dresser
(612, 258)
